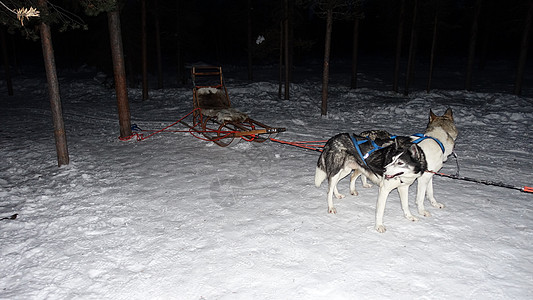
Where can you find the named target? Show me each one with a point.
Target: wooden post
(119, 71)
(53, 89)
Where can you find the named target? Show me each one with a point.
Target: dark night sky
(216, 31)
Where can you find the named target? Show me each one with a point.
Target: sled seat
(213, 100)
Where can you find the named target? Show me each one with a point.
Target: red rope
(310, 145)
(222, 133)
(141, 137)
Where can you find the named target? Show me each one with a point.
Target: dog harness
(356, 143)
(422, 137)
(375, 146)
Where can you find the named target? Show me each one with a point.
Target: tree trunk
(286, 48)
(144, 50)
(399, 39)
(53, 89)
(180, 65)
(280, 86)
(158, 46)
(14, 51)
(432, 54)
(325, 75)
(488, 25)
(523, 51)
(5, 56)
(290, 42)
(250, 41)
(409, 74)
(355, 46)
(472, 46)
(115, 37)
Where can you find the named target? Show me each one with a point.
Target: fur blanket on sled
(226, 114)
(214, 103)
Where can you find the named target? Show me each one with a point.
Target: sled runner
(213, 116)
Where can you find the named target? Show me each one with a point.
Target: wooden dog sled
(213, 115)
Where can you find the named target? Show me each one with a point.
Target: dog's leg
(403, 191)
(343, 173)
(429, 193)
(384, 191)
(365, 182)
(332, 190)
(337, 194)
(421, 189)
(353, 178)
(331, 208)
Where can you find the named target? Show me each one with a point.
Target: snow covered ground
(174, 217)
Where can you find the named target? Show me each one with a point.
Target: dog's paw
(332, 210)
(354, 192)
(437, 204)
(411, 218)
(339, 196)
(424, 213)
(367, 185)
(381, 228)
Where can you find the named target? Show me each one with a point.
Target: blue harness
(375, 146)
(422, 137)
(356, 143)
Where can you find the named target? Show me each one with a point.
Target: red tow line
(309, 145)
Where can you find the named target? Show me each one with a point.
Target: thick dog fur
(397, 165)
(443, 129)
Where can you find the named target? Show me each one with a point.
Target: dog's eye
(400, 163)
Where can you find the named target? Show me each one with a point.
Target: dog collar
(422, 137)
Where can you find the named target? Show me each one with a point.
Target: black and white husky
(389, 162)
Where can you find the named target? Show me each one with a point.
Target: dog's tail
(320, 175)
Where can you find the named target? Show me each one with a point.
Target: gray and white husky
(389, 162)
(442, 133)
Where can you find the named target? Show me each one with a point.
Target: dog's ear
(415, 152)
(432, 116)
(449, 114)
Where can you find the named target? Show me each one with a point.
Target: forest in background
(217, 32)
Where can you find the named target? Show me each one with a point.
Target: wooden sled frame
(219, 122)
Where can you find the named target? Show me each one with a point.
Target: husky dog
(441, 134)
(389, 163)
(398, 171)
(372, 135)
